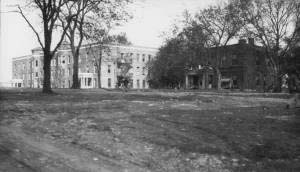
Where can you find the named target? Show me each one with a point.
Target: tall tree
(178, 54)
(99, 47)
(49, 10)
(167, 70)
(88, 14)
(271, 22)
(221, 24)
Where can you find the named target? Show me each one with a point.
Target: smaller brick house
(242, 66)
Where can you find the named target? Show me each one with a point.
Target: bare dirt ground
(98, 130)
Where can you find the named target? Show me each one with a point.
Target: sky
(151, 18)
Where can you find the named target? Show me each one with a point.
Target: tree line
(274, 24)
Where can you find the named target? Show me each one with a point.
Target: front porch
(199, 79)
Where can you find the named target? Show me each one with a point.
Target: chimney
(242, 41)
(251, 41)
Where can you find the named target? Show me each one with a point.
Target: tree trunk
(99, 68)
(75, 84)
(99, 76)
(277, 83)
(217, 70)
(75, 53)
(47, 72)
(218, 79)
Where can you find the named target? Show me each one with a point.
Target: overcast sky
(150, 19)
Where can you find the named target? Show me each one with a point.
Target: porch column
(203, 80)
(186, 81)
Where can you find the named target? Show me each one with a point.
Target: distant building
(28, 70)
(242, 66)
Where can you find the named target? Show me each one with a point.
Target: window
(144, 84)
(36, 63)
(89, 82)
(36, 74)
(69, 71)
(257, 61)
(234, 60)
(137, 57)
(223, 60)
(149, 57)
(108, 68)
(143, 70)
(235, 81)
(69, 59)
(109, 83)
(257, 80)
(143, 58)
(138, 83)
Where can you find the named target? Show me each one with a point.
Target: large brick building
(242, 66)
(28, 70)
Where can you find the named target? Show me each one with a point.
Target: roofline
(111, 45)
(22, 57)
(237, 44)
(114, 45)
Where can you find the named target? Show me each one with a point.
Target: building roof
(119, 46)
(37, 49)
(22, 57)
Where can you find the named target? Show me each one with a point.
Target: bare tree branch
(31, 26)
